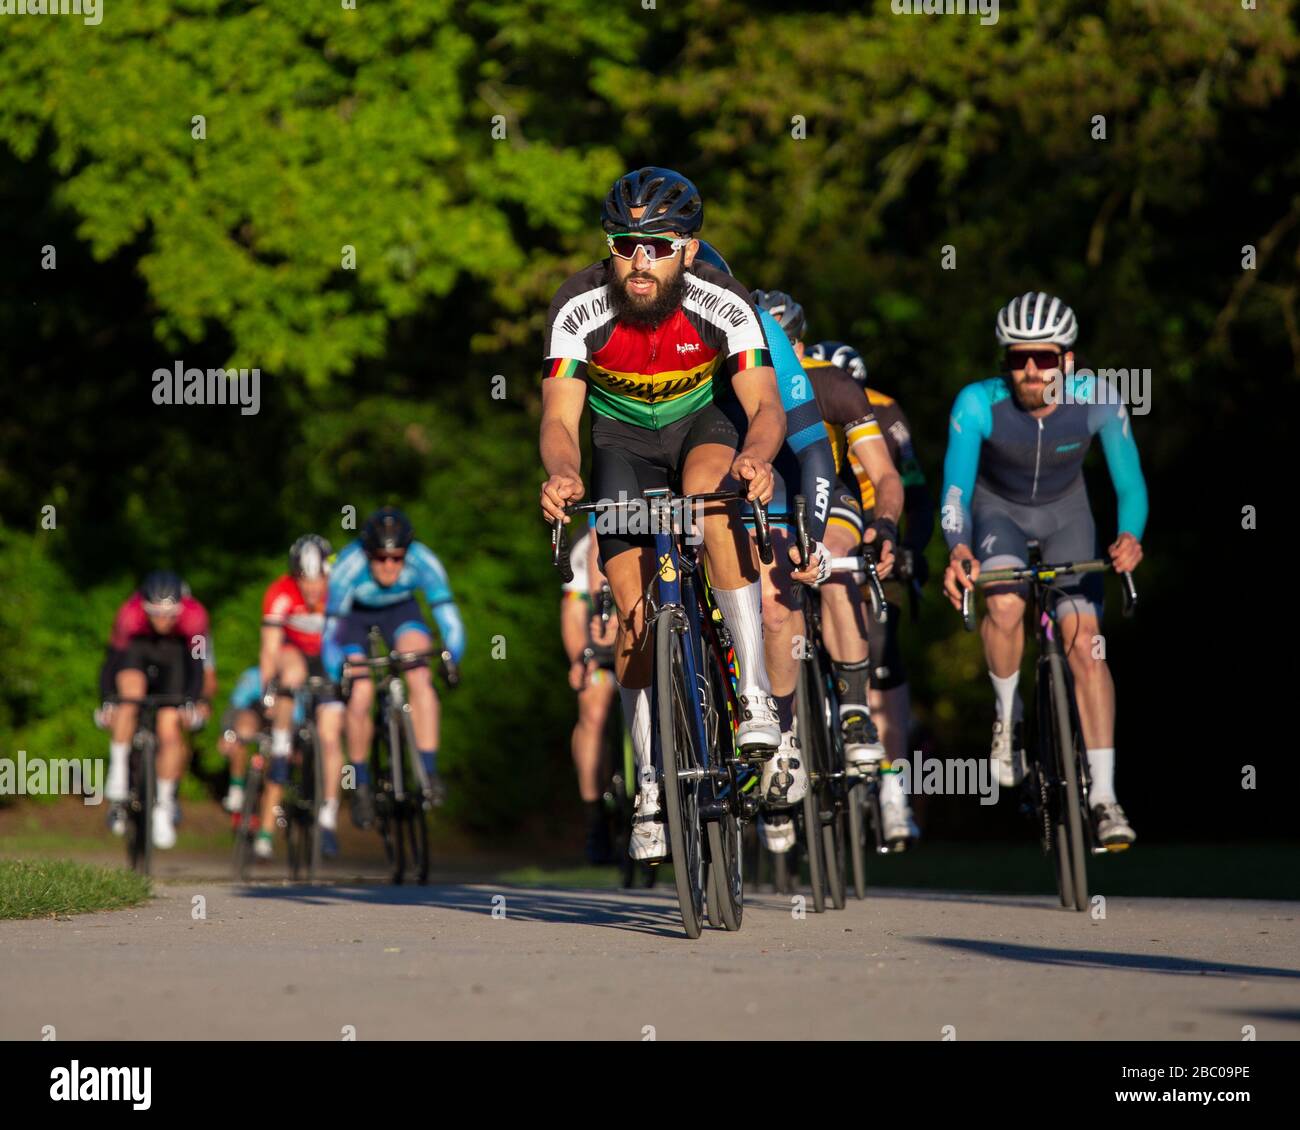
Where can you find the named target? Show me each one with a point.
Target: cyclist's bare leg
(236, 751)
(733, 562)
(291, 673)
(329, 730)
(737, 591)
(1094, 692)
(359, 725)
(844, 615)
(891, 710)
(594, 702)
(171, 745)
(782, 622)
(1003, 632)
(425, 708)
(629, 575)
(130, 684)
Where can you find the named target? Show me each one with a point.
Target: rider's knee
(1006, 611)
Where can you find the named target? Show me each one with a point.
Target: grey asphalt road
(309, 963)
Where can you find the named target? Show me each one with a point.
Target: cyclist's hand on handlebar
(1125, 553)
(818, 568)
(104, 715)
(195, 715)
(884, 552)
(556, 491)
(756, 476)
(603, 635)
(955, 578)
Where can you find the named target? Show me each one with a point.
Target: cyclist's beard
(636, 311)
(1031, 397)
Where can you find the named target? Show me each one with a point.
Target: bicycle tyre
(727, 870)
(858, 838)
(679, 797)
(244, 832)
(1068, 767)
(811, 718)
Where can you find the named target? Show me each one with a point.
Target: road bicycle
(142, 775)
(1055, 788)
(702, 776)
(403, 792)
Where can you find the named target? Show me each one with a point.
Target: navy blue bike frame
(671, 591)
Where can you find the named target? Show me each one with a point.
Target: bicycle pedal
(1106, 849)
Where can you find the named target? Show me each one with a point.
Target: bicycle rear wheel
(858, 837)
(726, 871)
(811, 711)
(244, 832)
(680, 798)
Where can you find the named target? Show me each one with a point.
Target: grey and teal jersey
(352, 583)
(1036, 460)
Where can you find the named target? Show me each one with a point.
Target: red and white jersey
(284, 607)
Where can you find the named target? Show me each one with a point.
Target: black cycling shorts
(627, 460)
(164, 660)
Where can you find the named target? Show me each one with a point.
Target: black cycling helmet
(784, 309)
(309, 557)
(709, 254)
(845, 356)
(387, 528)
(671, 203)
(162, 591)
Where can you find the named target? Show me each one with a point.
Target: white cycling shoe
(1008, 754)
(649, 841)
(264, 847)
(776, 832)
(164, 827)
(234, 799)
(785, 780)
(862, 745)
(759, 732)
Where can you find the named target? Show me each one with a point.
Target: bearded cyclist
(1014, 472)
(657, 342)
(160, 644)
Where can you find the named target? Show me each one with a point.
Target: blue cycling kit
(1034, 461)
(806, 455)
(354, 595)
(248, 693)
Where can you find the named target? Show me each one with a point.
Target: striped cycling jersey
(898, 438)
(653, 376)
(846, 412)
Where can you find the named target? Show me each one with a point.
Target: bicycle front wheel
(858, 837)
(1067, 752)
(680, 797)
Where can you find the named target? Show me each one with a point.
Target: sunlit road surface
(215, 960)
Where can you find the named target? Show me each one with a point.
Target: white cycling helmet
(1035, 317)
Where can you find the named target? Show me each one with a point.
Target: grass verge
(37, 888)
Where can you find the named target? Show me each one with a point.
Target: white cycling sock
(166, 792)
(1008, 698)
(281, 743)
(1101, 768)
(329, 815)
(636, 716)
(742, 609)
(116, 785)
